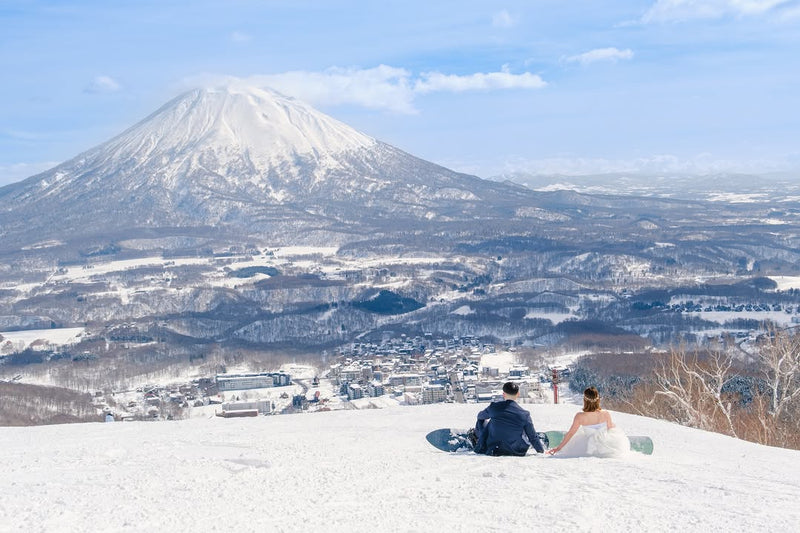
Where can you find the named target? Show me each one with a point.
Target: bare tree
(25, 404)
(692, 386)
(689, 388)
(779, 355)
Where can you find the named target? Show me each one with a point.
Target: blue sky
(542, 86)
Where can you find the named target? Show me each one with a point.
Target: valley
(235, 224)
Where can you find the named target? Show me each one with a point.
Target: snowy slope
(235, 132)
(373, 470)
(228, 135)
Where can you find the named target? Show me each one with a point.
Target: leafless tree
(779, 356)
(692, 385)
(25, 404)
(689, 388)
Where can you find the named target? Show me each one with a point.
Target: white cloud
(676, 10)
(503, 19)
(437, 82)
(382, 87)
(240, 37)
(790, 13)
(601, 54)
(103, 84)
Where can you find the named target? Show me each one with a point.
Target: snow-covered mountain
(242, 172)
(243, 158)
(373, 470)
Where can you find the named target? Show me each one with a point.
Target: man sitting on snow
(502, 427)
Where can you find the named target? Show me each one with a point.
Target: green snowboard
(638, 443)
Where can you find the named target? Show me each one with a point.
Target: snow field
(373, 470)
(786, 283)
(59, 336)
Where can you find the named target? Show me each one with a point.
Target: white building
(260, 380)
(263, 407)
(434, 394)
(406, 379)
(354, 391)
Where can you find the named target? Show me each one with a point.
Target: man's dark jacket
(503, 435)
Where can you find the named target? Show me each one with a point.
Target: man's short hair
(511, 388)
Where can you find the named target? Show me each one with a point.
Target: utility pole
(555, 385)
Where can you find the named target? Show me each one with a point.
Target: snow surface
(502, 361)
(786, 282)
(289, 258)
(373, 470)
(733, 198)
(235, 119)
(57, 336)
(101, 268)
(781, 318)
(554, 317)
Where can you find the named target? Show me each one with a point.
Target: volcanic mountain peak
(244, 157)
(237, 120)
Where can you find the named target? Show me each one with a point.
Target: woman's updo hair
(591, 400)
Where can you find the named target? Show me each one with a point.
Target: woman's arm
(572, 430)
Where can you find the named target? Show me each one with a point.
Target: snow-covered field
(373, 470)
(780, 318)
(786, 282)
(57, 336)
(216, 270)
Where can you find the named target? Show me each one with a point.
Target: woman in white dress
(592, 432)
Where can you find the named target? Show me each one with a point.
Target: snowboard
(638, 443)
(457, 440)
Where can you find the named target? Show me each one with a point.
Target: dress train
(596, 441)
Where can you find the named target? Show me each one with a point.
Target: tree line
(753, 396)
(23, 404)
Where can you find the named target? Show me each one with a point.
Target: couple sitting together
(505, 428)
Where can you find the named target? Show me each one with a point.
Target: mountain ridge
(245, 157)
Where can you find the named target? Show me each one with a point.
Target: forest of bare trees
(757, 401)
(23, 404)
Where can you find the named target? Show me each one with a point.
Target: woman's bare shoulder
(607, 418)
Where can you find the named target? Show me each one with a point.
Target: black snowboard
(457, 440)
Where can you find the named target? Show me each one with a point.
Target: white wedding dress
(596, 440)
